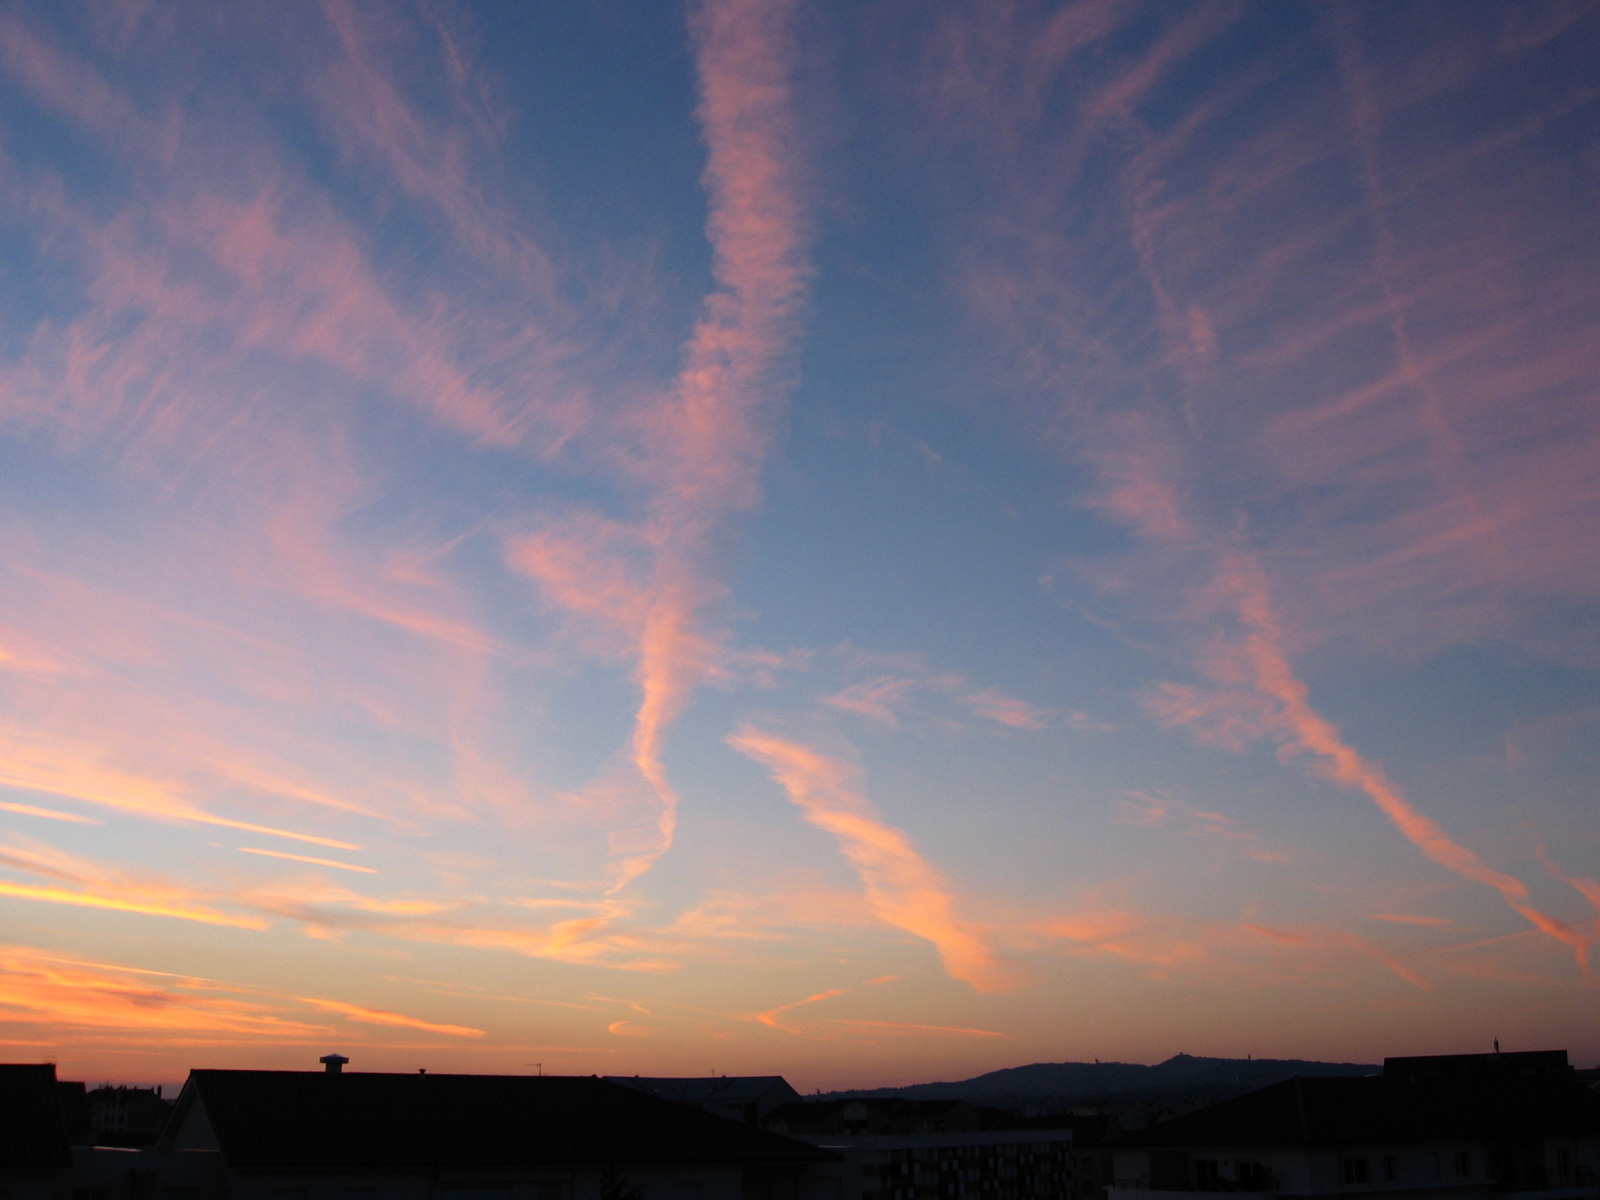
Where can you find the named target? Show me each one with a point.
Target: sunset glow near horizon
(866, 541)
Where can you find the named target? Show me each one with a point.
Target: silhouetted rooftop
(1372, 1109)
(31, 1131)
(1515, 1062)
(733, 1089)
(312, 1118)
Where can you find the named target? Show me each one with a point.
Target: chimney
(333, 1063)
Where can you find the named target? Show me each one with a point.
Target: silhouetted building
(126, 1116)
(1466, 1127)
(289, 1135)
(935, 1149)
(1093, 1166)
(35, 1156)
(747, 1098)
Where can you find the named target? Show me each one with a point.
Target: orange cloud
(67, 994)
(51, 814)
(770, 1017)
(99, 888)
(127, 903)
(1588, 888)
(305, 858)
(378, 1016)
(1411, 919)
(903, 889)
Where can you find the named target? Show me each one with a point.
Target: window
(1354, 1172)
(1391, 1169)
(1206, 1174)
(1502, 1166)
(1463, 1164)
(1252, 1176)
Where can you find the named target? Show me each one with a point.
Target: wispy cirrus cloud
(90, 885)
(902, 887)
(1349, 450)
(899, 687)
(1140, 808)
(74, 997)
(378, 1016)
(704, 444)
(770, 1018)
(1283, 702)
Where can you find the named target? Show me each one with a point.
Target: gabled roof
(315, 1119)
(31, 1131)
(1376, 1109)
(734, 1089)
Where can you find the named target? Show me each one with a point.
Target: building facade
(1458, 1127)
(934, 1150)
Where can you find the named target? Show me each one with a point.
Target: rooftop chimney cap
(333, 1063)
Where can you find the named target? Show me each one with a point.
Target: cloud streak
(901, 886)
(706, 442)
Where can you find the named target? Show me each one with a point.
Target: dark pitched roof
(314, 1119)
(1513, 1062)
(1375, 1109)
(31, 1131)
(734, 1089)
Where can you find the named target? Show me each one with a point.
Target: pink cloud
(1008, 710)
(1386, 440)
(1140, 808)
(707, 439)
(903, 889)
(1301, 730)
(875, 699)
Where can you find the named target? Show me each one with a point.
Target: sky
(873, 541)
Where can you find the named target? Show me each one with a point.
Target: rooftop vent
(333, 1063)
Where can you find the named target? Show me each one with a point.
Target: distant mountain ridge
(1077, 1082)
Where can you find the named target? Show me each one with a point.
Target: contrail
(1300, 728)
(716, 434)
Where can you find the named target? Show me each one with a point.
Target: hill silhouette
(1181, 1077)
